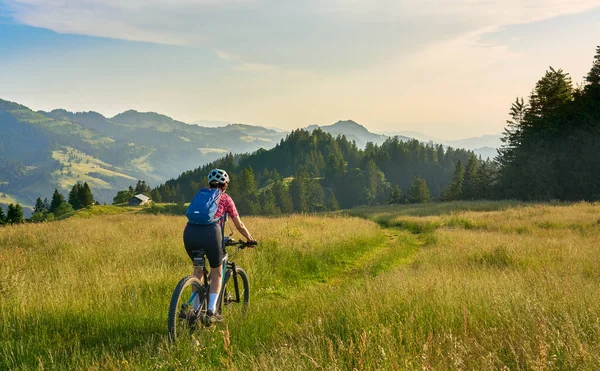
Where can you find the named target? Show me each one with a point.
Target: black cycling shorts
(204, 239)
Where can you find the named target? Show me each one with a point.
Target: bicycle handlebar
(242, 244)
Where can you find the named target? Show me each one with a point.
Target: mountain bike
(189, 302)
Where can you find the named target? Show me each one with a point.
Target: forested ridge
(315, 171)
(551, 151)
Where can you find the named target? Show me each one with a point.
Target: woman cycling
(209, 238)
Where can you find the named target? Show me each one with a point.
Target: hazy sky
(447, 68)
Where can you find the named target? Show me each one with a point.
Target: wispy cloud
(301, 34)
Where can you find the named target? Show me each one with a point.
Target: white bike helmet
(218, 175)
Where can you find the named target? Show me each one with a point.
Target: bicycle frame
(226, 266)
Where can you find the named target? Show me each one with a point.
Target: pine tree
(550, 94)
(331, 202)
(268, 205)
(470, 182)
(18, 218)
(249, 182)
(371, 181)
(57, 199)
(10, 214)
(155, 195)
(485, 181)
(299, 192)
(14, 214)
(283, 199)
(74, 197)
(316, 197)
(454, 190)
(2, 216)
(395, 196)
(335, 167)
(248, 198)
(85, 195)
(419, 193)
(46, 205)
(593, 77)
(39, 206)
(142, 188)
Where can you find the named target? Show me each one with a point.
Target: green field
(78, 171)
(482, 286)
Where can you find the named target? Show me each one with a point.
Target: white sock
(212, 302)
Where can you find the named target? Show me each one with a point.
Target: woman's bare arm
(239, 225)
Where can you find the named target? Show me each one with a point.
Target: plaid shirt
(226, 206)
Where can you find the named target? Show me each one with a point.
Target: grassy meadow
(486, 286)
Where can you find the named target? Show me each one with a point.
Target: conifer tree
(14, 214)
(283, 199)
(57, 199)
(268, 205)
(10, 214)
(85, 195)
(371, 181)
(485, 179)
(395, 196)
(454, 190)
(46, 205)
(248, 193)
(155, 195)
(299, 192)
(331, 202)
(2, 216)
(39, 206)
(593, 77)
(142, 188)
(316, 197)
(75, 197)
(419, 193)
(470, 182)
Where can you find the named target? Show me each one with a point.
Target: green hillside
(40, 151)
(328, 172)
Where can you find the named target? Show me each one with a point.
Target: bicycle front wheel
(236, 289)
(188, 305)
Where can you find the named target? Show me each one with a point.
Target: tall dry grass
(77, 292)
(481, 287)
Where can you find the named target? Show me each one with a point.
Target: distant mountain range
(485, 146)
(353, 131)
(40, 151)
(43, 150)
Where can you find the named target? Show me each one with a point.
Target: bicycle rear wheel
(183, 317)
(236, 288)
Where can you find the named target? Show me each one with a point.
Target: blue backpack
(204, 206)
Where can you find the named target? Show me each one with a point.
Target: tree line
(141, 187)
(315, 171)
(44, 210)
(551, 144)
(14, 215)
(550, 151)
